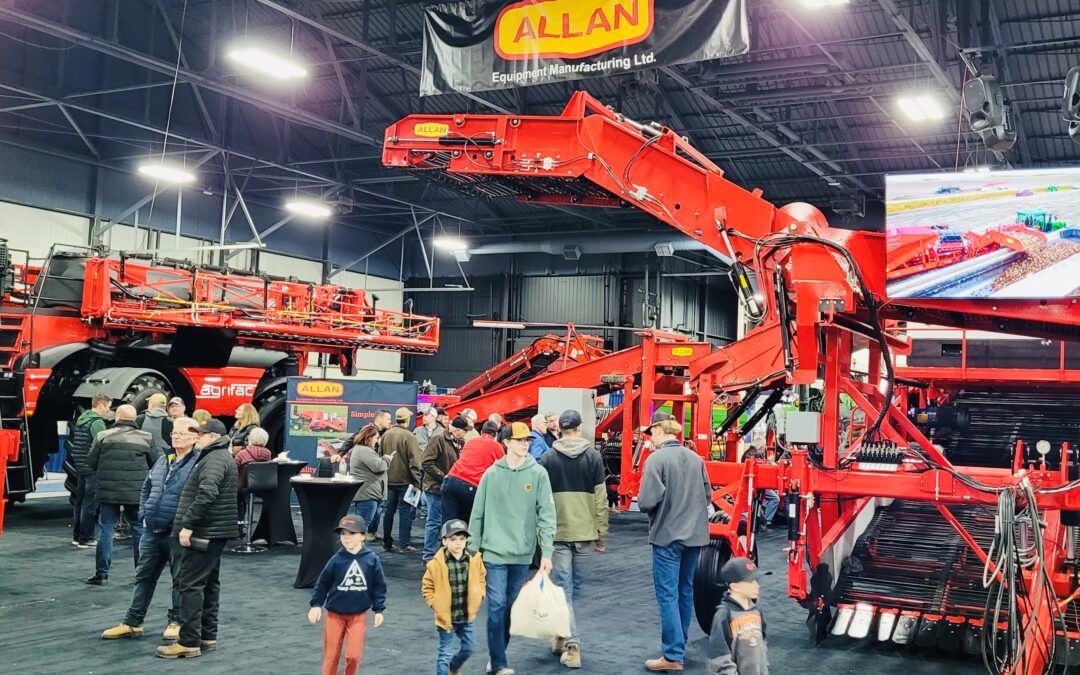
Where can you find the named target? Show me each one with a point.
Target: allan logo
(431, 129)
(320, 388)
(682, 351)
(532, 29)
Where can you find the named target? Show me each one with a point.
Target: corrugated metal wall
(695, 305)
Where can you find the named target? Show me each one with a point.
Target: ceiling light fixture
(451, 244)
(267, 63)
(306, 208)
(163, 171)
(921, 107)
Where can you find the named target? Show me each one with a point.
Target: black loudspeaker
(998, 139)
(1070, 102)
(983, 103)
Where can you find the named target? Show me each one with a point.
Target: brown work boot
(207, 645)
(662, 665)
(571, 658)
(558, 645)
(122, 631)
(177, 651)
(171, 632)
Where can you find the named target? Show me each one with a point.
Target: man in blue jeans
(120, 458)
(675, 493)
(158, 548)
(513, 513)
(438, 458)
(578, 485)
(84, 432)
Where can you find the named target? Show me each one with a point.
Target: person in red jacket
(459, 485)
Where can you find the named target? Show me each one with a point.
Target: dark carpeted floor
(50, 621)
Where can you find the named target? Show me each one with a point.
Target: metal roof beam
(258, 100)
(1001, 57)
(915, 40)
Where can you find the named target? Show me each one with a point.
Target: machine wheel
(142, 388)
(708, 589)
(272, 415)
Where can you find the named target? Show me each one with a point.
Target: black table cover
(275, 520)
(323, 503)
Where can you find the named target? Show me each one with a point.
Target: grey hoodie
(737, 640)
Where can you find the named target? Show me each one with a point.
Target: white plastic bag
(540, 610)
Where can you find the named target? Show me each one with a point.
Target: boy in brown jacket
(454, 586)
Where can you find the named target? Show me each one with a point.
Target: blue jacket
(161, 490)
(351, 584)
(538, 445)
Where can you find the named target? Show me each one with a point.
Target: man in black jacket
(205, 521)
(120, 458)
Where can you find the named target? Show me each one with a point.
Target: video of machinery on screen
(1001, 234)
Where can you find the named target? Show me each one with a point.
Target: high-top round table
(275, 519)
(323, 503)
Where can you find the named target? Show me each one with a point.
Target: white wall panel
(36, 230)
(286, 266)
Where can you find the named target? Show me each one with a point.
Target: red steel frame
(589, 146)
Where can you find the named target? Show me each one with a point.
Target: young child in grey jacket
(737, 639)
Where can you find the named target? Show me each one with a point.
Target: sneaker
(177, 651)
(504, 671)
(207, 645)
(98, 581)
(122, 631)
(74, 542)
(571, 658)
(558, 645)
(407, 549)
(171, 632)
(661, 665)
(91, 543)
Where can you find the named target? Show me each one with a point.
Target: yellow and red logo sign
(532, 29)
(682, 351)
(431, 129)
(320, 389)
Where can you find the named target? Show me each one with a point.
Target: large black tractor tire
(708, 588)
(142, 388)
(272, 408)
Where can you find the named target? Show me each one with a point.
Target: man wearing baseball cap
(576, 471)
(470, 415)
(176, 407)
(205, 520)
(513, 512)
(404, 471)
(675, 493)
(737, 638)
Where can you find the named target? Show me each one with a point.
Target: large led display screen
(978, 234)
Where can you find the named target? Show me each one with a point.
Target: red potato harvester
(819, 296)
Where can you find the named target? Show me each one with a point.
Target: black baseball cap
(490, 428)
(658, 417)
(452, 527)
(214, 426)
(354, 524)
(569, 419)
(460, 422)
(740, 569)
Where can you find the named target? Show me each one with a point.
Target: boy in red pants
(351, 583)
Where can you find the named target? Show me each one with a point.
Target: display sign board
(322, 413)
(477, 45)
(969, 235)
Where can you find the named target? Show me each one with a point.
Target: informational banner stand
(324, 413)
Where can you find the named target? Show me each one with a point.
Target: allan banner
(323, 413)
(476, 45)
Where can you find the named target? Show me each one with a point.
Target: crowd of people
(503, 501)
(175, 480)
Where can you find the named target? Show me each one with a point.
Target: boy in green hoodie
(513, 511)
